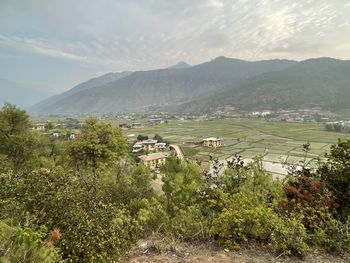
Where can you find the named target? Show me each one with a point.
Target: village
(155, 137)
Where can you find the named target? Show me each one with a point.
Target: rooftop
(212, 139)
(153, 156)
(149, 141)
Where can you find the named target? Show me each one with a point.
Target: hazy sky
(55, 44)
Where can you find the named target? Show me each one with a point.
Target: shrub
(241, 219)
(335, 173)
(24, 245)
(289, 236)
(189, 224)
(152, 216)
(332, 234)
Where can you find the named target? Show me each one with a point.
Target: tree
(13, 120)
(141, 137)
(18, 144)
(183, 184)
(158, 137)
(335, 172)
(92, 227)
(49, 126)
(98, 145)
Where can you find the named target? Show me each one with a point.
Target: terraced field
(275, 141)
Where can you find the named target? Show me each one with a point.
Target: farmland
(274, 141)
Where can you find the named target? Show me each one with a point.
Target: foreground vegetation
(85, 200)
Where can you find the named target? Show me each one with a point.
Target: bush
(93, 228)
(289, 236)
(24, 245)
(189, 224)
(152, 216)
(242, 219)
(332, 234)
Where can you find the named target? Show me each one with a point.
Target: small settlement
(155, 152)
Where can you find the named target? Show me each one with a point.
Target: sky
(53, 45)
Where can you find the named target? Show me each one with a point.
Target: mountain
(180, 64)
(143, 90)
(20, 94)
(92, 83)
(322, 83)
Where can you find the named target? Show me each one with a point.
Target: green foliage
(183, 184)
(189, 224)
(49, 126)
(141, 137)
(152, 216)
(128, 187)
(158, 137)
(13, 120)
(99, 232)
(85, 201)
(243, 217)
(24, 245)
(289, 236)
(93, 227)
(98, 145)
(332, 234)
(19, 146)
(335, 172)
(248, 211)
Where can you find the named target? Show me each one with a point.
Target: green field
(249, 138)
(275, 141)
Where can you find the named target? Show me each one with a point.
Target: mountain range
(246, 85)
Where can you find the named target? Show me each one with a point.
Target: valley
(274, 141)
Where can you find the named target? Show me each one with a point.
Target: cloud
(41, 47)
(116, 35)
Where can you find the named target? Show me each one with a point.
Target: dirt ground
(174, 252)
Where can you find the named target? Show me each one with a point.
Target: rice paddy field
(274, 141)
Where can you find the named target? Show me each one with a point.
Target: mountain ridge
(141, 90)
(320, 82)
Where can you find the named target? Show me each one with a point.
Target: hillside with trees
(244, 85)
(142, 90)
(316, 83)
(86, 200)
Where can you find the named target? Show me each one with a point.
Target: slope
(143, 90)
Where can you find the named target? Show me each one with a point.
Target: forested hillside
(142, 90)
(322, 83)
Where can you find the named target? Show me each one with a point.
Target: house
(213, 142)
(154, 160)
(55, 134)
(137, 147)
(124, 126)
(156, 121)
(149, 145)
(40, 127)
(160, 146)
(136, 125)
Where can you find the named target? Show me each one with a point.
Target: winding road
(178, 151)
